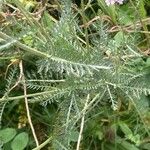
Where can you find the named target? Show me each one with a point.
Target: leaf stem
(43, 144)
(27, 105)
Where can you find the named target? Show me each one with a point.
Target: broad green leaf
(148, 62)
(146, 146)
(125, 15)
(128, 146)
(125, 129)
(120, 38)
(7, 134)
(20, 141)
(124, 18)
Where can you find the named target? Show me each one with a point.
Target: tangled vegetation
(74, 75)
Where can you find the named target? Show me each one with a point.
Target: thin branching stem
(43, 144)
(26, 104)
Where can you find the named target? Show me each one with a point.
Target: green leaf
(120, 38)
(74, 136)
(148, 62)
(146, 146)
(28, 40)
(125, 129)
(7, 134)
(128, 146)
(141, 9)
(20, 141)
(48, 20)
(29, 5)
(125, 15)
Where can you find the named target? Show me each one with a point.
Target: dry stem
(26, 103)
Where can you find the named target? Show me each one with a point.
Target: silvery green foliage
(73, 69)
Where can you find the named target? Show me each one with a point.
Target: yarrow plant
(112, 2)
(93, 84)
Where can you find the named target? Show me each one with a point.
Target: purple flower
(112, 2)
